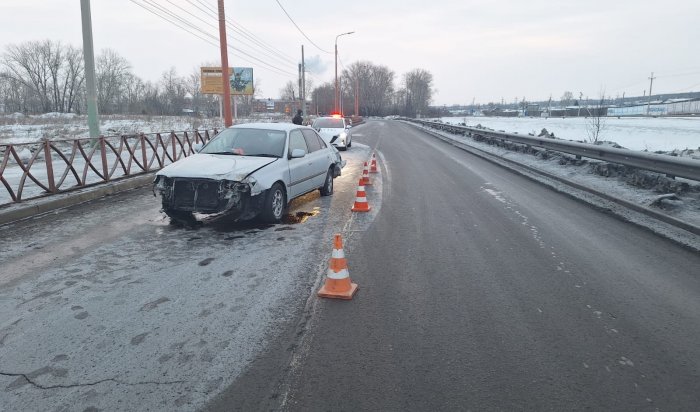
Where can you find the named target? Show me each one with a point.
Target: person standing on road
(298, 119)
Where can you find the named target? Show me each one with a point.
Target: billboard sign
(240, 79)
(211, 80)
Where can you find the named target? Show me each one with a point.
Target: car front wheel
(327, 188)
(275, 202)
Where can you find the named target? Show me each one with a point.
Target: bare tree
(323, 99)
(111, 72)
(173, 92)
(375, 86)
(418, 84)
(31, 63)
(289, 91)
(567, 98)
(595, 122)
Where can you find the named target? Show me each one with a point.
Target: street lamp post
(335, 105)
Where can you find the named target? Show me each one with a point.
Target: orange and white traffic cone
(365, 175)
(361, 204)
(373, 164)
(338, 284)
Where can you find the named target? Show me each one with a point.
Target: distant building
(671, 107)
(276, 106)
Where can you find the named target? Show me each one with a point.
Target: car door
(300, 169)
(320, 159)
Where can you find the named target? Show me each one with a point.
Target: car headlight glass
(253, 185)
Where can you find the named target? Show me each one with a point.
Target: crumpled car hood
(218, 167)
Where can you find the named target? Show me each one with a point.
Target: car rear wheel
(275, 203)
(327, 188)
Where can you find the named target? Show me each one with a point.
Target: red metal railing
(38, 169)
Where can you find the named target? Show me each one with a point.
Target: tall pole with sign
(225, 75)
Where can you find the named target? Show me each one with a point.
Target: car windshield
(328, 123)
(248, 142)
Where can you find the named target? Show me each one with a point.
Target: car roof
(286, 127)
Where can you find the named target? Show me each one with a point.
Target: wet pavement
(108, 306)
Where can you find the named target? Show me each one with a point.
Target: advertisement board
(240, 79)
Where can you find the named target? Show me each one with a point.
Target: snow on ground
(684, 206)
(17, 128)
(651, 134)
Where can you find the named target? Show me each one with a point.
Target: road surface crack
(77, 385)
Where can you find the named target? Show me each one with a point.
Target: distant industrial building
(676, 107)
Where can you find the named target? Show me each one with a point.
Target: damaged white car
(249, 170)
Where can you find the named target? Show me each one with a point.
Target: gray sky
(482, 49)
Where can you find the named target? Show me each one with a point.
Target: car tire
(327, 188)
(275, 204)
(349, 143)
(342, 149)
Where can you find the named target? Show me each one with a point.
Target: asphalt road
(105, 306)
(482, 290)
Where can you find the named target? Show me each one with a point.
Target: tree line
(49, 76)
(374, 85)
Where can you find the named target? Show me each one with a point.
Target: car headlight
(253, 185)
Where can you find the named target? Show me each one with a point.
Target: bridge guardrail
(51, 166)
(669, 165)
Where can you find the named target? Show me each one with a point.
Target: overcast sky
(476, 49)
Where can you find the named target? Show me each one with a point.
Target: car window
(321, 141)
(328, 123)
(296, 141)
(247, 142)
(311, 140)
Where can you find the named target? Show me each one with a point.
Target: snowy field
(651, 134)
(17, 128)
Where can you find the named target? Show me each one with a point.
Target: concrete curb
(29, 208)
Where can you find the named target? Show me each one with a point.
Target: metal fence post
(49, 166)
(144, 155)
(103, 154)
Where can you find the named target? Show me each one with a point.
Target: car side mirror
(198, 147)
(297, 153)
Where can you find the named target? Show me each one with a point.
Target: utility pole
(651, 83)
(301, 101)
(303, 83)
(225, 75)
(357, 97)
(89, 57)
(580, 100)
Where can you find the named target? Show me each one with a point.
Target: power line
(300, 30)
(174, 19)
(239, 28)
(186, 22)
(228, 36)
(183, 28)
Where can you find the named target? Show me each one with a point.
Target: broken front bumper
(203, 195)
